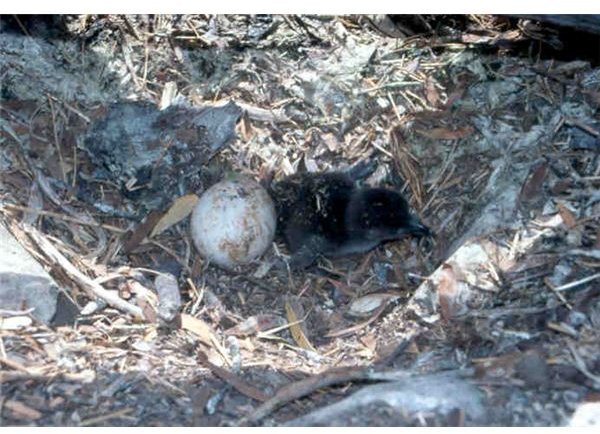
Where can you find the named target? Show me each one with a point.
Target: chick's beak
(418, 229)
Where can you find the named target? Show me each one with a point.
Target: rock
(165, 149)
(169, 299)
(24, 283)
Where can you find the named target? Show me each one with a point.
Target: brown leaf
(446, 133)
(133, 238)
(431, 92)
(567, 216)
(532, 187)
(293, 313)
(22, 411)
(448, 292)
(181, 208)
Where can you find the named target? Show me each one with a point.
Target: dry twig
(93, 288)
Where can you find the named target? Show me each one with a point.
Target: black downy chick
(327, 214)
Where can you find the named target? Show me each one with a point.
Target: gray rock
(168, 296)
(24, 283)
(438, 394)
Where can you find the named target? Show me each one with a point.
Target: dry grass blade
(296, 327)
(95, 421)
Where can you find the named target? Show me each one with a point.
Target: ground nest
(113, 126)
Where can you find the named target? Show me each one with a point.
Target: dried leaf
(370, 342)
(446, 133)
(431, 92)
(532, 187)
(22, 411)
(448, 292)
(181, 208)
(246, 128)
(199, 328)
(331, 142)
(295, 327)
(568, 217)
(133, 238)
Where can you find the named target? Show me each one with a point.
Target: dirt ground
(494, 141)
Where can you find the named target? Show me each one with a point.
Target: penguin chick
(327, 214)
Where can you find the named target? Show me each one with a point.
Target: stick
(93, 288)
(306, 386)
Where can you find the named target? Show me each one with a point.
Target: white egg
(234, 222)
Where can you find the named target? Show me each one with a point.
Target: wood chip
(199, 328)
(446, 133)
(22, 411)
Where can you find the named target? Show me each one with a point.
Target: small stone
(169, 299)
(576, 319)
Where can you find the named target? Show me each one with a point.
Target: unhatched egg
(234, 222)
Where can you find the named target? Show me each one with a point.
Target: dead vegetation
(499, 155)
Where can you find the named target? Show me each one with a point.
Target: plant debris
(112, 126)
